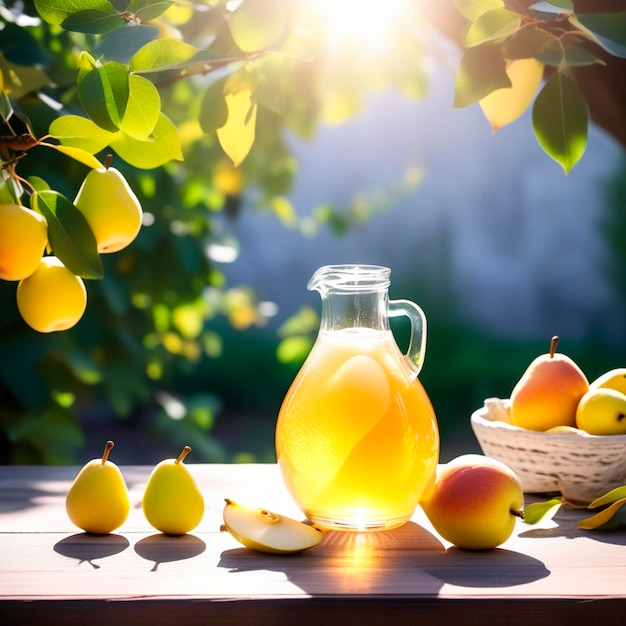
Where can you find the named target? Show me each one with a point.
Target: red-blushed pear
(98, 499)
(110, 207)
(172, 501)
(548, 392)
(265, 531)
(475, 502)
(602, 411)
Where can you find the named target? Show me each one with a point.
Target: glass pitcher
(356, 437)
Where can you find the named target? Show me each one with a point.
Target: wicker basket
(580, 466)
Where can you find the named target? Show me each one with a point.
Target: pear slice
(264, 531)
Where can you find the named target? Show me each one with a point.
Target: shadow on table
(407, 560)
(487, 569)
(160, 548)
(88, 548)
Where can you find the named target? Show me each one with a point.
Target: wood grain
(50, 571)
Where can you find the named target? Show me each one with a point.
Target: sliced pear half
(264, 531)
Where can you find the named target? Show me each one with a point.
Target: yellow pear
(110, 207)
(172, 501)
(264, 531)
(52, 298)
(98, 499)
(23, 239)
(475, 502)
(613, 379)
(548, 393)
(602, 411)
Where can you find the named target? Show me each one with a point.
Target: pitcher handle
(417, 343)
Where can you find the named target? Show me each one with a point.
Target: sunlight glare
(369, 23)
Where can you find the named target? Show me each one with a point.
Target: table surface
(551, 573)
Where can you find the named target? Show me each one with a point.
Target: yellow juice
(356, 438)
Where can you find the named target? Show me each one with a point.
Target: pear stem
(183, 454)
(519, 514)
(553, 343)
(107, 450)
(107, 161)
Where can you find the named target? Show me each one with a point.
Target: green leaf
(123, 43)
(257, 24)
(608, 30)
(526, 43)
(39, 184)
(481, 71)
(10, 190)
(560, 120)
(55, 12)
(79, 132)
(82, 156)
(608, 498)
(473, 9)
(104, 92)
(147, 10)
(566, 5)
(537, 511)
(213, 110)
(162, 146)
(161, 54)
(92, 22)
(607, 519)
(491, 26)
(6, 108)
(143, 108)
(564, 52)
(70, 237)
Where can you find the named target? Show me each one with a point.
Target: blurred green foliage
(163, 332)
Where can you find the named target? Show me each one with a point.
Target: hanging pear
(110, 207)
(98, 500)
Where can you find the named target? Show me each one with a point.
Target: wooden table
(52, 573)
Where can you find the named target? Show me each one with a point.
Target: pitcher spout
(347, 278)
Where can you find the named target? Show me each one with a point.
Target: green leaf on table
(535, 512)
(103, 92)
(143, 108)
(70, 237)
(79, 132)
(491, 26)
(162, 146)
(257, 24)
(607, 519)
(608, 30)
(473, 9)
(608, 498)
(560, 120)
(481, 71)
